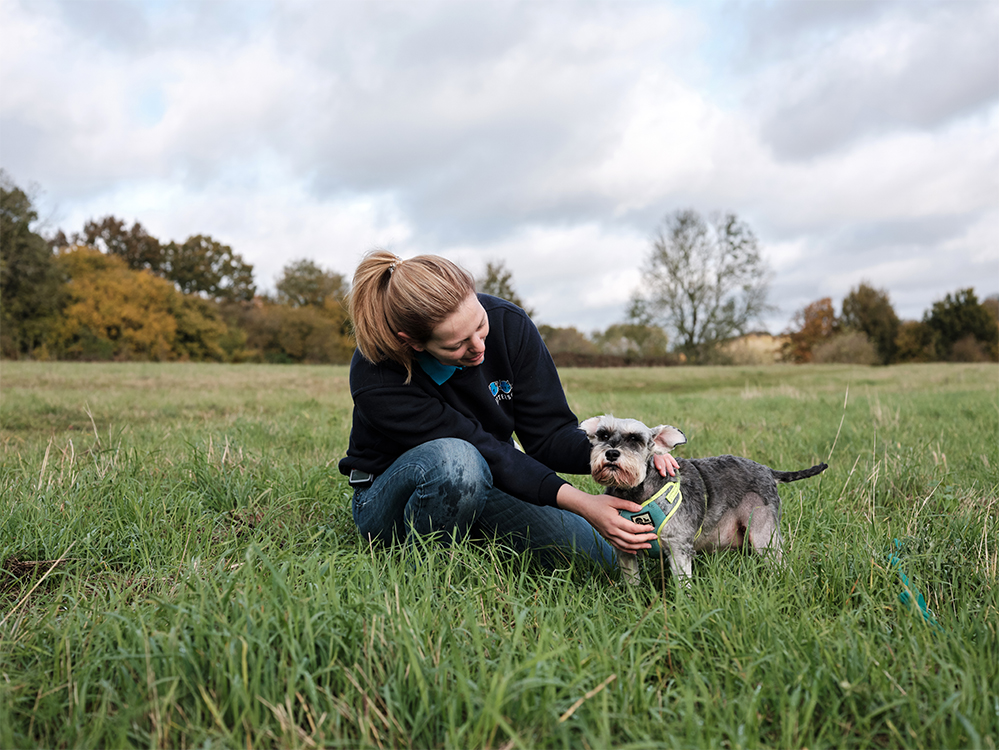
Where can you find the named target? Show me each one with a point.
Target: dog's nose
(612, 455)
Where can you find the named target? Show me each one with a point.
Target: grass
(180, 569)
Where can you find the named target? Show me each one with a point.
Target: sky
(857, 139)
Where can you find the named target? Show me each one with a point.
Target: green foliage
(140, 250)
(704, 280)
(499, 281)
(869, 311)
(30, 285)
(916, 342)
(961, 316)
(304, 283)
(181, 569)
(203, 265)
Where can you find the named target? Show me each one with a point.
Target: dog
(712, 504)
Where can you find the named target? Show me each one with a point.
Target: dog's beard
(622, 473)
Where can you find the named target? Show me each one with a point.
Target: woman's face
(460, 339)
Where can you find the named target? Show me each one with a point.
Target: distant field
(180, 568)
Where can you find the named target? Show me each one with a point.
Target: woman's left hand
(665, 464)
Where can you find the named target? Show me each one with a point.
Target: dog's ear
(666, 437)
(590, 426)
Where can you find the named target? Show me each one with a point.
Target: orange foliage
(114, 310)
(816, 323)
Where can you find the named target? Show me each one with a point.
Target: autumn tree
(498, 281)
(303, 283)
(812, 325)
(704, 280)
(203, 265)
(30, 283)
(869, 311)
(114, 312)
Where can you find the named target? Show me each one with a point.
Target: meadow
(180, 569)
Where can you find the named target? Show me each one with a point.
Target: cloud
(859, 140)
(911, 66)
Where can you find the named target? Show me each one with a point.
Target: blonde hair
(390, 295)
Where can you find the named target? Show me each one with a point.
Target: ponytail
(390, 295)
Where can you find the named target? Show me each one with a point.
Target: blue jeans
(446, 486)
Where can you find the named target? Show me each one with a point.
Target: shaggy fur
(727, 500)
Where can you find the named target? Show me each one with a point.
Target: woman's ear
(407, 340)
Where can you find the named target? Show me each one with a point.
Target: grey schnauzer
(712, 504)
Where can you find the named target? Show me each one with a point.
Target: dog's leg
(763, 529)
(681, 552)
(629, 566)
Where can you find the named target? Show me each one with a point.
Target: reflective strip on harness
(653, 515)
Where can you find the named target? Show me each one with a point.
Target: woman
(435, 411)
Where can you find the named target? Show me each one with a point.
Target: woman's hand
(665, 464)
(601, 511)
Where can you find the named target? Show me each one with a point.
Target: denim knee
(459, 462)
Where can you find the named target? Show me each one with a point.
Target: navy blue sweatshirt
(515, 390)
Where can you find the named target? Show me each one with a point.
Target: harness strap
(651, 514)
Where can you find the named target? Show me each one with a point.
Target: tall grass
(180, 569)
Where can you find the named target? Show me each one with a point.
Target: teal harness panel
(653, 515)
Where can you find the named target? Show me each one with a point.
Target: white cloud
(859, 140)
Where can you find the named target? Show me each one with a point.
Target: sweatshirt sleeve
(546, 426)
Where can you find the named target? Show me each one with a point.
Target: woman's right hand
(601, 511)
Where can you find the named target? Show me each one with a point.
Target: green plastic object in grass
(909, 594)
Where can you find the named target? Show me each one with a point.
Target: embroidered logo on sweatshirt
(501, 390)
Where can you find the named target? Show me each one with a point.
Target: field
(180, 569)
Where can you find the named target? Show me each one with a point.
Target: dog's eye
(635, 439)
(602, 435)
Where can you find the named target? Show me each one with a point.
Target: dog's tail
(784, 477)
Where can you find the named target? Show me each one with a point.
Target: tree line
(957, 328)
(115, 292)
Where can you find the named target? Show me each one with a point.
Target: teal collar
(438, 372)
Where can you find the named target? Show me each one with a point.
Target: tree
(286, 334)
(869, 311)
(303, 283)
(30, 283)
(705, 280)
(558, 340)
(204, 265)
(113, 311)
(631, 339)
(916, 342)
(812, 325)
(139, 249)
(959, 317)
(498, 281)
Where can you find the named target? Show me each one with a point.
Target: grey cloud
(823, 90)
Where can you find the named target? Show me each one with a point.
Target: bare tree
(704, 280)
